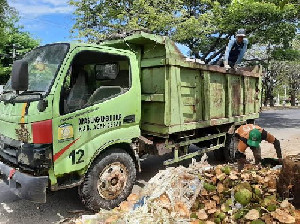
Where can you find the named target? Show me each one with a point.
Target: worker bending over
(250, 135)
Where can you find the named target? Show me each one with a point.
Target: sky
(47, 20)
(50, 20)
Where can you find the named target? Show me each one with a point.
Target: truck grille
(30, 158)
(9, 150)
(9, 154)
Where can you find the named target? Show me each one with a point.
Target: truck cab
(63, 105)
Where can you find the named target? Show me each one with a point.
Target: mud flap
(24, 185)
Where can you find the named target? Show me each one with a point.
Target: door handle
(129, 119)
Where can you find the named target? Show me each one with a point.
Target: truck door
(97, 103)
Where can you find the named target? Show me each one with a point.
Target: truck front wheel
(109, 181)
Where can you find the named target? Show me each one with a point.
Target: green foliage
(203, 25)
(289, 75)
(289, 54)
(12, 37)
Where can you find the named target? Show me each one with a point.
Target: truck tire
(219, 154)
(109, 180)
(227, 153)
(230, 149)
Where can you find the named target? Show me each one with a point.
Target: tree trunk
(271, 101)
(293, 98)
(266, 98)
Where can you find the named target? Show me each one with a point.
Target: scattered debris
(6, 208)
(204, 194)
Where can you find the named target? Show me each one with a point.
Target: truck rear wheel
(109, 181)
(219, 154)
(230, 148)
(227, 153)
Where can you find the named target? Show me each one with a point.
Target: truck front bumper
(24, 185)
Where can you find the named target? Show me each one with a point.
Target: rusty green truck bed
(180, 95)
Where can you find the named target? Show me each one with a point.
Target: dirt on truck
(82, 115)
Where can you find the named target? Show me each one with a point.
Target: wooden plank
(228, 96)
(206, 99)
(176, 105)
(167, 115)
(153, 80)
(217, 96)
(198, 97)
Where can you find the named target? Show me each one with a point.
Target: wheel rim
(112, 180)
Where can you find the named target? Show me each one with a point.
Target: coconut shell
(202, 214)
(211, 211)
(133, 197)
(283, 216)
(233, 177)
(253, 214)
(112, 219)
(218, 171)
(208, 205)
(220, 187)
(268, 219)
(181, 209)
(243, 196)
(164, 201)
(216, 198)
(126, 206)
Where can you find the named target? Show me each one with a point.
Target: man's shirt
(243, 135)
(231, 49)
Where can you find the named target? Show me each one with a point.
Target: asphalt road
(284, 124)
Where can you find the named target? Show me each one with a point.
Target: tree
(205, 26)
(290, 72)
(275, 59)
(14, 42)
(271, 80)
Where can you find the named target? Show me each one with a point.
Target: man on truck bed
(236, 49)
(250, 135)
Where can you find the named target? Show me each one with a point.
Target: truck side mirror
(19, 79)
(42, 105)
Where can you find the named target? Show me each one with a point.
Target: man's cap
(254, 138)
(241, 33)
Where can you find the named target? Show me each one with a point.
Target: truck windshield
(43, 64)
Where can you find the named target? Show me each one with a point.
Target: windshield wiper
(10, 100)
(33, 92)
(10, 91)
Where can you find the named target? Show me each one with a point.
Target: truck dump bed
(180, 95)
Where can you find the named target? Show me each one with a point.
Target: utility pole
(284, 92)
(13, 52)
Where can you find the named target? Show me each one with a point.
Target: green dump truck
(82, 115)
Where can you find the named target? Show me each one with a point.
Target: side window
(94, 77)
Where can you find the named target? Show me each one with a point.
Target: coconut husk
(211, 195)
(202, 214)
(253, 214)
(282, 216)
(289, 179)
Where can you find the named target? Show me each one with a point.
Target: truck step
(191, 155)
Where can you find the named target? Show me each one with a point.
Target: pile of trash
(203, 194)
